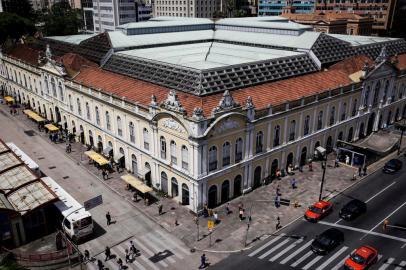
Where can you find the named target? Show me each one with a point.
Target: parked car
(361, 259)
(353, 209)
(318, 210)
(327, 241)
(392, 166)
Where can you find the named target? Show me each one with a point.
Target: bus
(75, 220)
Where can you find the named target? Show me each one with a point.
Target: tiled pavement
(231, 233)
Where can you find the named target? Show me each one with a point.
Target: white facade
(108, 14)
(187, 8)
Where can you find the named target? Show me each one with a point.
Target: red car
(361, 259)
(318, 210)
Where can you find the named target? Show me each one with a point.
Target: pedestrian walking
(107, 175)
(365, 170)
(87, 255)
(277, 201)
(278, 190)
(100, 265)
(133, 250)
(108, 218)
(310, 166)
(336, 163)
(203, 261)
(228, 209)
(347, 159)
(293, 183)
(104, 174)
(120, 264)
(278, 223)
(241, 214)
(127, 256)
(354, 176)
(135, 196)
(118, 167)
(359, 171)
(160, 209)
(107, 252)
(216, 220)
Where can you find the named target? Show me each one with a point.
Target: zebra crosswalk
(296, 253)
(156, 252)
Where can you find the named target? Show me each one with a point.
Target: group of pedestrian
(13, 111)
(68, 148)
(105, 174)
(130, 253)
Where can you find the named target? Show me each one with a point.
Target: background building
(334, 23)
(275, 7)
(87, 7)
(381, 11)
(144, 12)
(108, 14)
(190, 8)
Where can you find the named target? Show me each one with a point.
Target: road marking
(274, 258)
(296, 252)
(301, 259)
(340, 264)
(149, 252)
(404, 245)
(379, 257)
(332, 258)
(307, 266)
(380, 223)
(387, 263)
(363, 231)
(370, 199)
(174, 243)
(158, 247)
(266, 245)
(273, 249)
(401, 265)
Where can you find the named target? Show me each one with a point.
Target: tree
(62, 20)
(22, 8)
(14, 26)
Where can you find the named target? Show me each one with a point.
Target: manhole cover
(30, 132)
(52, 167)
(41, 158)
(65, 177)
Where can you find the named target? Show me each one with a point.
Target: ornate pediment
(226, 103)
(172, 103)
(226, 125)
(198, 114)
(173, 124)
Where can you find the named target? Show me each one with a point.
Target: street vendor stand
(99, 160)
(141, 188)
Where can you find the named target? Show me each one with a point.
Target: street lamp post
(321, 151)
(402, 128)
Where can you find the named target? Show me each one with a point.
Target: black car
(353, 209)
(327, 241)
(392, 166)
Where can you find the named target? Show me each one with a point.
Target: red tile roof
(352, 64)
(74, 62)
(25, 54)
(401, 65)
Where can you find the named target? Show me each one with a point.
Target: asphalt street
(290, 248)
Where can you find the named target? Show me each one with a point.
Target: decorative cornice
(172, 103)
(226, 103)
(198, 114)
(249, 104)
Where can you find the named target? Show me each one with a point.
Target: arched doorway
(274, 168)
(121, 159)
(148, 174)
(57, 115)
(340, 136)
(185, 194)
(90, 138)
(237, 186)
(315, 147)
(389, 119)
(380, 122)
(303, 156)
(99, 144)
(51, 114)
(397, 114)
(371, 121)
(257, 177)
(329, 144)
(82, 134)
(225, 191)
(164, 182)
(212, 196)
(289, 160)
(174, 187)
(361, 131)
(350, 134)
(134, 166)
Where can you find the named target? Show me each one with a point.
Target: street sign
(210, 224)
(93, 202)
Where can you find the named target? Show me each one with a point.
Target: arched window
(385, 92)
(25, 81)
(292, 130)
(343, 111)
(97, 115)
(131, 131)
(320, 120)
(354, 107)
(60, 90)
(108, 122)
(226, 154)
(238, 150)
(146, 138)
(175, 187)
(70, 103)
(376, 93)
(401, 91)
(259, 142)
(332, 115)
(276, 135)
(212, 158)
(79, 106)
(306, 126)
(119, 126)
(366, 96)
(46, 85)
(53, 86)
(163, 147)
(88, 111)
(185, 158)
(174, 159)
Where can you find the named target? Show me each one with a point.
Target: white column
(285, 131)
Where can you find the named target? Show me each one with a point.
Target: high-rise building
(187, 8)
(275, 7)
(143, 12)
(382, 11)
(1, 6)
(108, 14)
(87, 6)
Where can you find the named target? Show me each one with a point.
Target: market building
(207, 110)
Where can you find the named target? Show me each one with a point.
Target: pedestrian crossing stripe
(387, 263)
(296, 252)
(401, 265)
(266, 245)
(332, 258)
(274, 258)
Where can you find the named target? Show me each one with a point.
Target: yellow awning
(34, 116)
(51, 127)
(9, 99)
(136, 183)
(97, 157)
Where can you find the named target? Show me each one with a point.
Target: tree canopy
(61, 20)
(14, 26)
(22, 8)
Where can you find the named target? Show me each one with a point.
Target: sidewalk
(231, 233)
